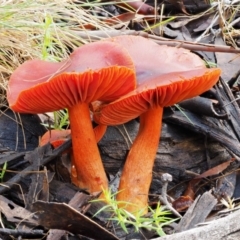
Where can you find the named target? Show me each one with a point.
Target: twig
(11, 157)
(23, 233)
(42, 161)
(216, 18)
(222, 228)
(99, 34)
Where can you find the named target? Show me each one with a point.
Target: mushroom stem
(99, 132)
(87, 161)
(137, 172)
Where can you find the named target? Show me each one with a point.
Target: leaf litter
(211, 29)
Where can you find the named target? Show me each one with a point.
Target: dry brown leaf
(215, 170)
(182, 203)
(211, 172)
(64, 217)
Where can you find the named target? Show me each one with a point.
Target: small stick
(23, 233)
(43, 160)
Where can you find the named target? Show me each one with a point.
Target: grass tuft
(156, 219)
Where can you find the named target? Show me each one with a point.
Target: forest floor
(196, 172)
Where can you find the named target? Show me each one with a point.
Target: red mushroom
(96, 71)
(165, 76)
(147, 101)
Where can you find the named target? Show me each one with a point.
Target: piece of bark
(202, 106)
(228, 103)
(62, 192)
(20, 132)
(39, 187)
(179, 150)
(16, 214)
(225, 228)
(45, 156)
(198, 212)
(208, 127)
(48, 215)
(78, 202)
(226, 132)
(226, 185)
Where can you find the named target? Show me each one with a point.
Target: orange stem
(87, 161)
(137, 172)
(99, 132)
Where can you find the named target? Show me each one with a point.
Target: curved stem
(99, 132)
(137, 172)
(87, 161)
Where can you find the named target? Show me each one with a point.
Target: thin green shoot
(210, 64)
(47, 37)
(183, 112)
(60, 120)
(2, 173)
(157, 218)
(228, 202)
(159, 24)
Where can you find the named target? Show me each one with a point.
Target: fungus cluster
(129, 76)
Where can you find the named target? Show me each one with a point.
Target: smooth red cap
(96, 71)
(152, 60)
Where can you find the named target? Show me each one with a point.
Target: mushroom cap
(56, 137)
(164, 90)
(152, 60)
(96, 71)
